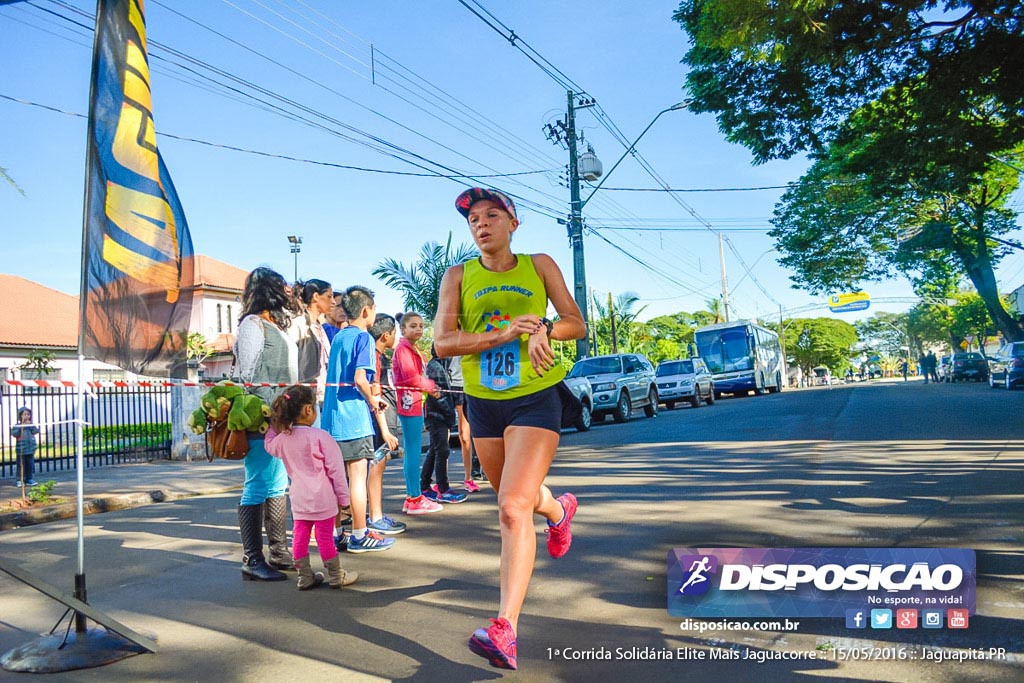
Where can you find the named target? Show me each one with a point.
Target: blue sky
(241, 207)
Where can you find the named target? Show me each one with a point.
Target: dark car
(969, 365)
(1006, 368)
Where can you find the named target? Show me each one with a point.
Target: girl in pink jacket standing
(318, 485)
(407, 370)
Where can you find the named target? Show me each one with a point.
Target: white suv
(685, 380)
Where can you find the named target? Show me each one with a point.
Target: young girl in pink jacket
(318, 485)
(407, 370)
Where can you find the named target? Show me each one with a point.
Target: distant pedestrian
(470, 463)
(922, 361)
(439, 417)
(933, 366)
(317, 300)
(265, 353)
(25, 446)
(350, 409)
(905, 369)
(335, 320)
(384, 333)
(412, 383)
(318, 483)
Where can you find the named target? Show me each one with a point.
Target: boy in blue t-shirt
(349, 410)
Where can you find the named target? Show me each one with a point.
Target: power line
(285, 157)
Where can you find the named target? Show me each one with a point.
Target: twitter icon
(881, 618)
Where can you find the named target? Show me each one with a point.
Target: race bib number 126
(499, 367)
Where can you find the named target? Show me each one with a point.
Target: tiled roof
(34, 315)
(209, 272)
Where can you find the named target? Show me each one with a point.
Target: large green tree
(904, 106)
(782, 77)
(811, 342)
(420, 282)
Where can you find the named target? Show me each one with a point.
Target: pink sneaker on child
(471, 486)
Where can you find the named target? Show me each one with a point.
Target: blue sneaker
(386, 526)
(370, 543)
(431, 494)
(451, 496)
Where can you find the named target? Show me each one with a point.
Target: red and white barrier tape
(123, 384)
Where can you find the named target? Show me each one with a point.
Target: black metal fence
(123, 425)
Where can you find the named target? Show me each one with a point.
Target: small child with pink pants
(318, 484)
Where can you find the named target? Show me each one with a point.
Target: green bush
(151, 430)
(41, 493)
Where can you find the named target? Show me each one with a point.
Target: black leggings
(435, 463)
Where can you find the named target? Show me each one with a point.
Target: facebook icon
(856, 618)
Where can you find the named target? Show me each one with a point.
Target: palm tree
(420, 283)
(714, 307)
(623, 308)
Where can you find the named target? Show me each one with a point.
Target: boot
(254, 567)
(338, 576)
(307, 579)
(275, 520)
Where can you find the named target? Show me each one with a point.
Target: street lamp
(675, 107)
(576, 210)
(296, 243)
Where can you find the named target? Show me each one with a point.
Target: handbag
(224, 443)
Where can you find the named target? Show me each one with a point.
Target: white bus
(742, 357)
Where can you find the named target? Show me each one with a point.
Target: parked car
(581, 388)
(1006, 368)
(621, 382)
(961, 366)
(685, 380)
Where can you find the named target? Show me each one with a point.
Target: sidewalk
(118, 487)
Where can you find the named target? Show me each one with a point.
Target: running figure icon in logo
(696, 582)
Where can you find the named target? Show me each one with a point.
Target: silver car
(685, 380)
(621, 382)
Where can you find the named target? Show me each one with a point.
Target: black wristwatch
(548, 324)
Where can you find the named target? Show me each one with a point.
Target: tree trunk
(979, 270)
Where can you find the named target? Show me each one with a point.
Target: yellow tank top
(490, 301)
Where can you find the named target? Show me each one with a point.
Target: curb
(93, 506)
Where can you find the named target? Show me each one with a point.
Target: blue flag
(137, 258)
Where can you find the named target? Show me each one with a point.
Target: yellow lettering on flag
(142, 268)
(135, 139)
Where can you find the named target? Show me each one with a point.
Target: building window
(28, 373)
(117, 375)
(220, 326)
(3, 374)
(230, 319)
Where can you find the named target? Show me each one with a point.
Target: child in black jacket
(438, 417)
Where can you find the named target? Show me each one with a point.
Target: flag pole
(86, 648)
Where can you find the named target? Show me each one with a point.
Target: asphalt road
(875, 464)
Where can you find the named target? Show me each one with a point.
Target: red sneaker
(560, 535)
(496, 644)
(471, 486)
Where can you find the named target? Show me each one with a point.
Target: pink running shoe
(421, 505)
(471, 486)
(496, 644)
(560, 535)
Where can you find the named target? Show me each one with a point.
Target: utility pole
(566, 132)
(725, 283)
(782, 349)
(611, 315)
(594, 326)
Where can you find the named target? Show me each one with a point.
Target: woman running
(492, 311)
